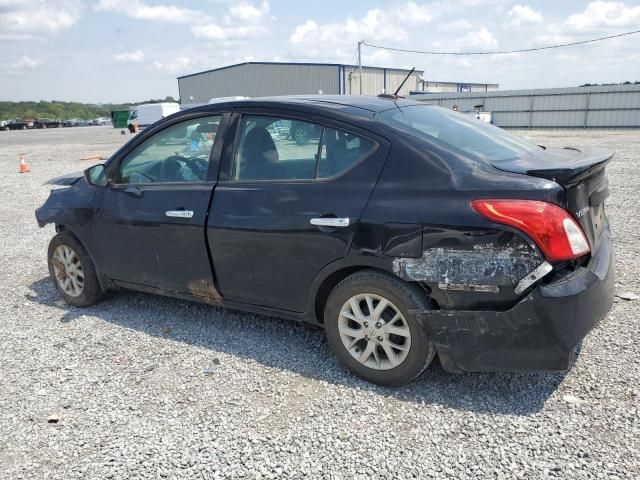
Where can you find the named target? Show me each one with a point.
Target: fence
(615, 106)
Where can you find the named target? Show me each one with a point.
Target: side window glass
(272, 148)
(340, 150)
(179, 153)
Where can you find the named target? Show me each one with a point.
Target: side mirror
(96, 176)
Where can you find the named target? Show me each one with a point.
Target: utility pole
(360, 63)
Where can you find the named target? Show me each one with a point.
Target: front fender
(69, 206)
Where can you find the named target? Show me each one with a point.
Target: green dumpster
(119, 118)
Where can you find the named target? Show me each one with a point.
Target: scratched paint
(481, 265)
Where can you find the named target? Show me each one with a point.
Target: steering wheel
(170, 169)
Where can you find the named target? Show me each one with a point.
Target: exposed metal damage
(483, 268)
(204, 290)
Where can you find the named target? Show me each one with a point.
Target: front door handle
(330, 222)
(179, 213)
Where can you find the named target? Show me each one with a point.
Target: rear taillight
(556, 233)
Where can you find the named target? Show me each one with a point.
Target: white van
(148, 113)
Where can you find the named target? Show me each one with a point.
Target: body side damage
(67, 206)
(483, 267)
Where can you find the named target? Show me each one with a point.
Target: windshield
(458, 130)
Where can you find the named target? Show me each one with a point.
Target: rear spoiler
(588, 162)
(566, 166)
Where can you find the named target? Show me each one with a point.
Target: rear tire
(382, 341)
(73, 272)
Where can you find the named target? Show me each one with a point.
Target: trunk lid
(581, 173)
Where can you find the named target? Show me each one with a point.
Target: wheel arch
(105, 282)
(337, 271)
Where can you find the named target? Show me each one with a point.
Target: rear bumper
(539, 333)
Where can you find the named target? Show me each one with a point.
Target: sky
(130, 50)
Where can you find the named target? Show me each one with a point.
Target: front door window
(179, 153)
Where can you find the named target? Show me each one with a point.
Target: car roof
(363, 104)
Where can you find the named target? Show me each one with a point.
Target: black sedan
(405, 230)
(21, 124)
(47, 123)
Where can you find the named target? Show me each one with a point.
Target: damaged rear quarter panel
(482, 265)
(470, 267)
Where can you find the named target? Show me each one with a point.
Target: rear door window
(275, 148)
(267, 149)
(341, 150)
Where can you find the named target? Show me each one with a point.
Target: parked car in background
(76, 122)
(4, 125)
(47, 123)
(101, 121)
(142, 116)
(21, 124)
(405, 230)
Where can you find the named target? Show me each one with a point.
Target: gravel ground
(147, 387)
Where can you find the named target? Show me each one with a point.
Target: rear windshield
(459, 130)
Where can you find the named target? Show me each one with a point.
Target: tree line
(609, 84)
(65, 110)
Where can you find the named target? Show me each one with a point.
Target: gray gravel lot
(150, 387)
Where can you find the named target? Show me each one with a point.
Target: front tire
(371, 327)
(73, 272)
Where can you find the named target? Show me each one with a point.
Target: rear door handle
(179, 213)
(330, 222)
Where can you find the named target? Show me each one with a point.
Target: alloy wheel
(301, 136)
(68, 270)
(374, 331)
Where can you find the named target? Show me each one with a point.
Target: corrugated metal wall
(268, 79)
(377, 80)
(455, 87)
(579, 107)
(258, 80)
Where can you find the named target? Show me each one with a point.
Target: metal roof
(299, 63)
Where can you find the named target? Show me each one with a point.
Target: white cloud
(33, 17)
(336, 41)
(242, 20)
(213, 31)
(415, 14)
(301, 31)
(523, 15)
(129, 57)
(25, 62)
(481, 39)
(377, 24)
(551, 38)
(21, 65)
(461, 24)
(210, 32)
(138, 9)
(174, 66)
(247, 12)
(601, 14)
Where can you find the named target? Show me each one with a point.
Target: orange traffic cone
(24, 168)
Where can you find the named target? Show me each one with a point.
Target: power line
(502, 52)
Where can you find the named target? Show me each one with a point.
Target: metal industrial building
(259, 79)
(577, 107)
(432, 86)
